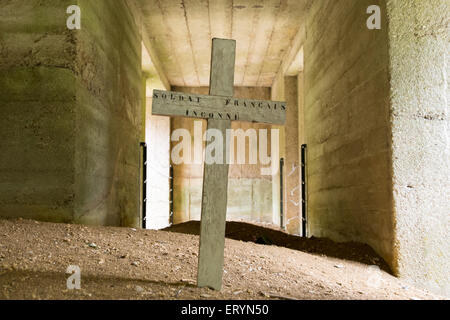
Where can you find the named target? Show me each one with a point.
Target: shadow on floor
(247, 232)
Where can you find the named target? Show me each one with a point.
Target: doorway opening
(156, 183)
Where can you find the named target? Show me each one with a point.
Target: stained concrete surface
(418, 49)
(347, 126)
(37, 123)
(376, 107)
(182, 33)
(71, 112)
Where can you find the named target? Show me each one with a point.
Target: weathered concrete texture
(301, 109)
(37, 122)
(301, 141)
(292, 160)
(292, 136)
(181, 32)
(249, 193)
(419, 45)
(278, 94)
(108, 115)
(347, 125)
(70, 112)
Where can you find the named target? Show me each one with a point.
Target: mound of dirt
(247, 232)
(123, 263)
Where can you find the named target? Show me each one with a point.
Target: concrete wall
(302, 139)
(108, 115)
(292, 188)
(290, 89)
(419, 45)
(278, 94)
(347, 125)
(301, 109)
(70, 112)
(376, 114)
(37, 100)
(249, 193)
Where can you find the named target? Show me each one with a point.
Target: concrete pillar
(418, 46)
(71, 113)
(109, 115)
(277, 94)
(292, 170)
(301, 137)
(37, 120)
(376, 107)
(347, 125)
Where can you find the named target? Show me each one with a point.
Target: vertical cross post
(214, 200)
(220, 108)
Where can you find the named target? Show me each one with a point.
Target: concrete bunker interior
(371, 105)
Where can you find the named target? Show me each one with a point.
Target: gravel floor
(122, 263)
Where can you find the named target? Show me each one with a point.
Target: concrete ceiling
(180, 33)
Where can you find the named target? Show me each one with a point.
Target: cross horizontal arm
(167, 103)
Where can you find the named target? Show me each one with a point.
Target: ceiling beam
(264, 25)
(156, 63)
(221, 18)
(292, 53)
(139, 20)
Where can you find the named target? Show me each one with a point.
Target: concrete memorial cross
(219, 108)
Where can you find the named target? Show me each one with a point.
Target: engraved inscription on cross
(219, 108)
